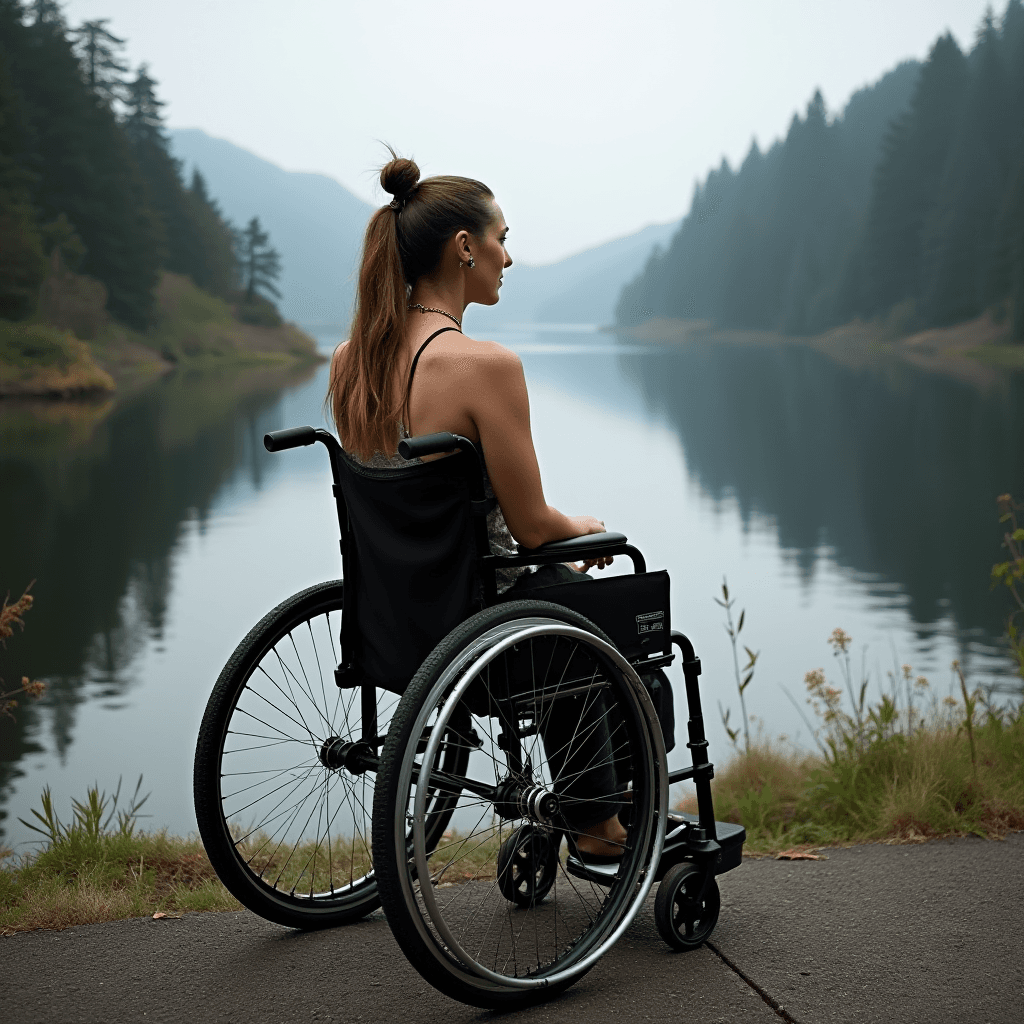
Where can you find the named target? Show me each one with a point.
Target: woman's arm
(499, 405)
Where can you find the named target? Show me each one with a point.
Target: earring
(460, 263)
(472, 262)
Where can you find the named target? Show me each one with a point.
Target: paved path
(927, 933)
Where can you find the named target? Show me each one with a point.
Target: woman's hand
(589, 525)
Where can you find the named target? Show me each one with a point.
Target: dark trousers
(580, 734)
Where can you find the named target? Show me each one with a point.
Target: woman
(407, 369)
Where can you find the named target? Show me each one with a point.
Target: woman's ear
(462, 246)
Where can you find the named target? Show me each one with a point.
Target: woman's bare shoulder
(478, 358)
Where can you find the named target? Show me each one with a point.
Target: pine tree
(77, 159)
(212, 264)
(47, 12)
(20, 242)
(143, 124)
(100, 62)
(959, 235)
(907, 178)
(259, 262)
(194, 239)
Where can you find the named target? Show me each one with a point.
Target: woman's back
(435, 248)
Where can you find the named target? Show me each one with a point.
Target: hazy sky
(587, 119)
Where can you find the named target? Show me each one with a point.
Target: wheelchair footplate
(681, 844)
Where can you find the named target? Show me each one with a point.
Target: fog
(588, 120)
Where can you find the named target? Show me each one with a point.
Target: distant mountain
(314, 222)
(579, 289)
(317, 225)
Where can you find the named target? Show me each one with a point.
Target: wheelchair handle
(291, 437)
(428, 444)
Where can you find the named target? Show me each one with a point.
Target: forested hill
(85, 170)
(908, 205)
(317, 224)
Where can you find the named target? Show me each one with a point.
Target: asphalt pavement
(931, 932)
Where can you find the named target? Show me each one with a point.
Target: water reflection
(94, 502)
(893, 469)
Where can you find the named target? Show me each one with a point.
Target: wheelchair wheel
(685, 917)
(528, 864)
(557, 722)
(285, 824)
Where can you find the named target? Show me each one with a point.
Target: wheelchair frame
(717, 846)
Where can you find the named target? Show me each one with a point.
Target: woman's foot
(605, 839)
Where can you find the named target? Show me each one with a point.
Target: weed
(98, 866)
(747, 672)
(954, 768)
(11, 615)
(1011, 574)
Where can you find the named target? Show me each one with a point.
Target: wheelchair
(404, 738)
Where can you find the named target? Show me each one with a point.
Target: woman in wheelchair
(408, 368)
(472, 742)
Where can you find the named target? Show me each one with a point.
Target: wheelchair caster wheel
(684, 918)
(528, 864)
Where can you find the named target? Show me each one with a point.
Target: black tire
(288, 836)
(458, 947)
(528, 864)
(685, 919)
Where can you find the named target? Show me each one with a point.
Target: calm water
(159, 530)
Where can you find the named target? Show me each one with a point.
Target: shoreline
(195, 331)
(977, 351)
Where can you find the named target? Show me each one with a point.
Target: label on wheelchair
(650, 622)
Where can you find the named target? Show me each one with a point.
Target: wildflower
(815, 679)
(921, 682)
(832, 696)
(34, 688)
(950, 702)
(11, 615)
(840, 640)
(907, 672)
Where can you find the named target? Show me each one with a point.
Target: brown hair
(404, 240)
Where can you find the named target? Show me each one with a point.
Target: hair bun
(399, 177)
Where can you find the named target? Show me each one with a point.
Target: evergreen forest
(908, 208)
(90, 194)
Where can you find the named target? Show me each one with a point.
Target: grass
(91, 870)
(905, 769)
(194, 330)
(199, 329)
(108, 878)
(893, 782)
(40, 360)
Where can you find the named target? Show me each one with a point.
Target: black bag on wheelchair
(634, 611)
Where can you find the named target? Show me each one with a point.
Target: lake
(853, 492)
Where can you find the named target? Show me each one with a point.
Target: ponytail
(404, 240)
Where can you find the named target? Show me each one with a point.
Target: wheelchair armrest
(593, 545)
(574, 547)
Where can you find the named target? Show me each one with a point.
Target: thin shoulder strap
(412, 370)
(419, 352)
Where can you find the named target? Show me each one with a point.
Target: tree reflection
(94, 504)
(893, 468)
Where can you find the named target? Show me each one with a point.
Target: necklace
(430, 309)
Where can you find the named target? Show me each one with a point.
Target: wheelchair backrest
(410, 565)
